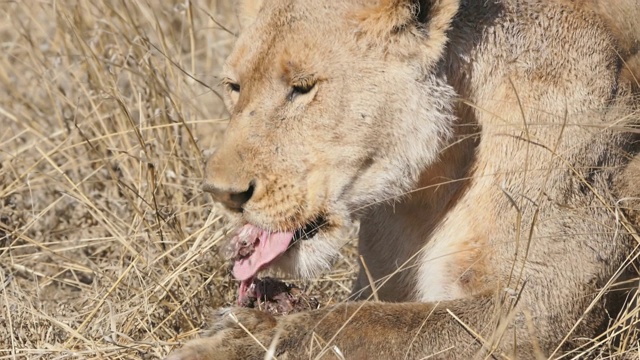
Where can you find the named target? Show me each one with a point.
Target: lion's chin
(310, 257)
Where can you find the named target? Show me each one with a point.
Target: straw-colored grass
(108, 247)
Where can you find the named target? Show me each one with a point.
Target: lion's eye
(235, 87)
(231, 85)
(301, 89)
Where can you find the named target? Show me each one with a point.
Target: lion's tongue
(267, 246)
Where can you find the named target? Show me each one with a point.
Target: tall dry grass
(107, 244)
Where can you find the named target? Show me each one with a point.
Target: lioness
(477, 142)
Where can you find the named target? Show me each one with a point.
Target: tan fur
(248, 10)
(629, 185)
(622, 19)
(477, 142)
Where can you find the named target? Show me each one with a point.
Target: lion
(482, 147)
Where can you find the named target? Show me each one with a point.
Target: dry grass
(107, 245)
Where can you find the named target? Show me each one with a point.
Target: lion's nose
(233, 200)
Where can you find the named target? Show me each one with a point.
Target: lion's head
(335, 105)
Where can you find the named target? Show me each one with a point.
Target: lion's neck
(403, 228)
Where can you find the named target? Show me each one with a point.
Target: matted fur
(478, 143)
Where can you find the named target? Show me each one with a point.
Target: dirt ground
(108, 247)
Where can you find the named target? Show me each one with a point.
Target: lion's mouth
(310, 230)
(254, 249)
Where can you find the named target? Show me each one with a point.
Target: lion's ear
(247, 11)
(389, 17)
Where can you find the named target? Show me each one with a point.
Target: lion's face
(325, 120)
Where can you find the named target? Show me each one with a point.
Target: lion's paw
(243, 319)
(237, 333)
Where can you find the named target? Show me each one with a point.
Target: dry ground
(107, 244)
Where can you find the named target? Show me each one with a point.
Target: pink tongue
(267, 246)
